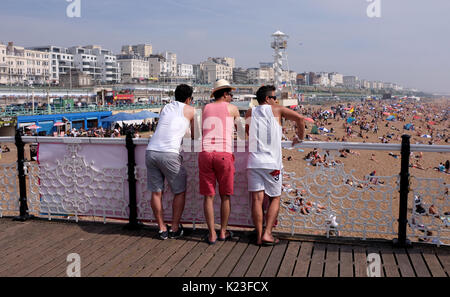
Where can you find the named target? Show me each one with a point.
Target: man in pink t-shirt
(216, 161)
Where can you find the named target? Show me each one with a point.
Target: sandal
(208, 241)
(271, 243)
(228, 237)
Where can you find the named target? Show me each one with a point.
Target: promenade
(40, 248)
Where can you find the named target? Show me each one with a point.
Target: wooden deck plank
(420, 267)
(187, 261)
(57, 251)
(145, 246)
(27, 257)
(148, 257)
(232, 259)
(151, 267)
(444, 258)
(217, 260)
(346, 261)
(174, 259)
(23, 242)
(303, 260)
(244, 262)
(404, 265)
(109, 251)
(274, 262)
(317, 260)
(110, 265)
(433, 263)
(332, 261)
(195, 269)
(389, 264)
(259, 262)
(84, 249)
(360, 261)
(289, 259)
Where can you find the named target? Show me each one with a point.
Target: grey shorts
(264, 180)
(161, 166)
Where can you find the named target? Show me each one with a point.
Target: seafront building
(23, 66)
(100, 63)
(142, 50)
(133, 68)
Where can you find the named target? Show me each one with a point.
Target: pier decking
(40, 248)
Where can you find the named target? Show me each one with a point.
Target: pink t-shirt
(217, 128)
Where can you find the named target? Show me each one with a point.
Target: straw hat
(221, 84)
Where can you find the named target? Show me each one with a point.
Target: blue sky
(409, 44)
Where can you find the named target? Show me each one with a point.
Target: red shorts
(216, 166)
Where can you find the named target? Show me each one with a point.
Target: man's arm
(248, 117)
(189, 114)
(298, 119)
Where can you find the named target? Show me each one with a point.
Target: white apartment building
(19, 65)
(142, 50)
(100, 63)
(336, 79)
(323, 79)
(61, 61)
(365, 84)
(169, 67)
(212, 71)
(288, 76)
(224, 61)
(133, 68)
(155, 63)
(260, 75)
(185, 70)
(351, 82)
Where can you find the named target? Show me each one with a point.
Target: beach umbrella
(309, 120)
(58, 124)
(33, 127)
(426, 136)
(416, 117)
(350, 120)
(386, 113)
(432, 123)
(145, 114)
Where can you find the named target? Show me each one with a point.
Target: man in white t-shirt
(164, 162)
(264, 164)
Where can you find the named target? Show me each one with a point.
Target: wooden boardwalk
(40, 248)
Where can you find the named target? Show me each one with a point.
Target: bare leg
(257, 214)
(157, 208)
(177, 210)
(225, 209)
(272, 214)
(208, 206)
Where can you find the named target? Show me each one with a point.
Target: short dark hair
(219, 93)
(263, 92)
(183, 92)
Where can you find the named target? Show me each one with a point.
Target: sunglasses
(273, 97)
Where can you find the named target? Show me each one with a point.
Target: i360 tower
(279, 44)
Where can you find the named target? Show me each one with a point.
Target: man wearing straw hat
(264, 164)
(216, 161)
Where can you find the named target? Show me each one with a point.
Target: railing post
(133, 223)
(23, 206)
(402, 241)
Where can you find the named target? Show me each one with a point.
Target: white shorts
(266, 180)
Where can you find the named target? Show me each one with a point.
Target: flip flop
(271, 243)
(228, 237)
(209, 242)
